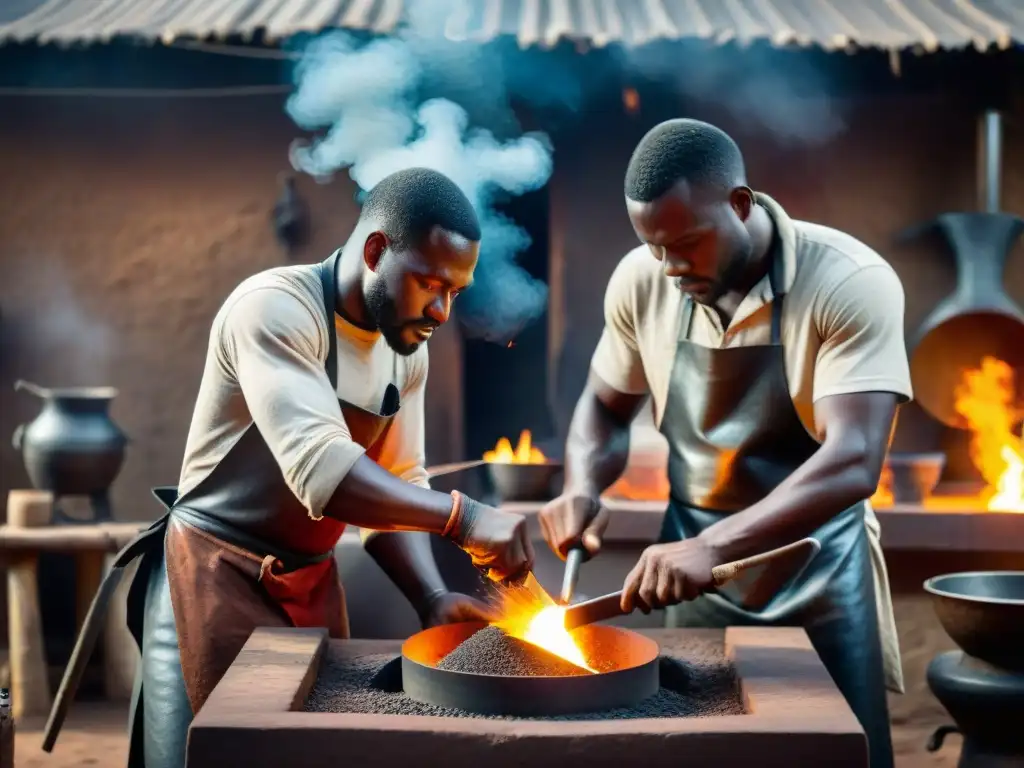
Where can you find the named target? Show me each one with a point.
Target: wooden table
(29, 533)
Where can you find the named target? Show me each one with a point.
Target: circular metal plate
(629, 664)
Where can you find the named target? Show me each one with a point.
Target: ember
(631, 100)
(524, 453)
(985, 398)
(525, 615)
(492, 651)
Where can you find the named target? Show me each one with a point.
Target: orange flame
(541, 623)
(883, 493)
(524, 453)
(652, 486)
(630, 100)
(985, 398)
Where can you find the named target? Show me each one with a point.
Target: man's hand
(667, 574)
(454, 607)
(572, 519)
(497, 541)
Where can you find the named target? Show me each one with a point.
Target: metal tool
(447, 469)
(573, 561)
(609, 606)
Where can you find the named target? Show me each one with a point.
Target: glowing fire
(985, 398)
(542, 623)
(630, 100)
(524, 453)
(653, 487)
(883, 493)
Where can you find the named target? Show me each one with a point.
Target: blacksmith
(310, 416)
(774, 354)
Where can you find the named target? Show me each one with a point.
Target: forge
(746, 695)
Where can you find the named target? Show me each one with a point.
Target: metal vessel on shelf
(73, 447)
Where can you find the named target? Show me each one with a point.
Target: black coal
(697, 680)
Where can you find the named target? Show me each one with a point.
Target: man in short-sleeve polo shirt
(773, 351)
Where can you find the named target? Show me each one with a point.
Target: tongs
(609, 606)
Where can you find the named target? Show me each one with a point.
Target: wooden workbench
(28, 534)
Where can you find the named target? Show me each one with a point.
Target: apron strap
(328, 281)
(685, 318)
(775, 281)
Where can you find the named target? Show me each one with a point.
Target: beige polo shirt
(842, 320)
(841, 327)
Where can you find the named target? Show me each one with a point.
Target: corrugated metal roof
(830, 24)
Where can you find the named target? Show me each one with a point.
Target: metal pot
(72, 448)
(983, 612)
(524, 482)
(913, 476)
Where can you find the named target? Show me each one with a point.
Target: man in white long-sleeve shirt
(310, 417)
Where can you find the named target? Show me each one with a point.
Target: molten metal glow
(525, 616)
(524, 453)
(985, 398)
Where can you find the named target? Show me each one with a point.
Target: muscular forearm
(597, 447)
(408, 560)
(837, 476)
(371, 497)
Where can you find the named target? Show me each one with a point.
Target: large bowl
(983, 612)
(914, 475)
(524, 482)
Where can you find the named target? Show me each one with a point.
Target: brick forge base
(795, 717)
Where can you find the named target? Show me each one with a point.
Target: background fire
(985, 398)
(524, 453)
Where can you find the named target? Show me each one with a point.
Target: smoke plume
(366, 98)
(415, 98)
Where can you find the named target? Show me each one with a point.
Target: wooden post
(6, 730)
(120, 653)
(30, 687)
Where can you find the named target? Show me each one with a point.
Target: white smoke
(365, 94)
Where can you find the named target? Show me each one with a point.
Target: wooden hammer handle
(723, 574)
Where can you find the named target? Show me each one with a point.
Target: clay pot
(72, 448)
(976, 321)
(983, 612)
(524, 482)
(913, 476)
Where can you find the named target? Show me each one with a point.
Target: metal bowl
(983, 612)
(632, 675)
(524, 482)
(914, 475)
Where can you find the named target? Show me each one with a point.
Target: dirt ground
(95, 736)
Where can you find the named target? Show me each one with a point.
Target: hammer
(610, 606)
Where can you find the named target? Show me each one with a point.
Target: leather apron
(734, 434)
(235, 552)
